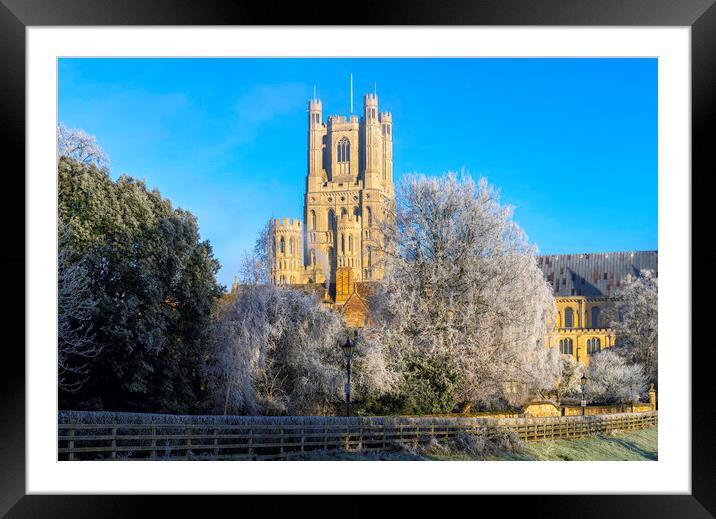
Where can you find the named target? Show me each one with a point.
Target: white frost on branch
(80, 146)
(75, 308)
(613, 379)
(275, 350)
(636, 323)
(462, 287)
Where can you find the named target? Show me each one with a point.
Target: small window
(594, 345)
(566, 346)
(568, 318)
(344, 150)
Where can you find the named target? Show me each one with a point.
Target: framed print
(254, 247)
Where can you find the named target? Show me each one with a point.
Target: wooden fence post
(153, 453)
(71, 444)
(114, 443)
(251, 442)
(188, 443)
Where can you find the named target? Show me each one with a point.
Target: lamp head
(348, 347)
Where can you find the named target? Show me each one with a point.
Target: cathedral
(349, 186)
(335, 250)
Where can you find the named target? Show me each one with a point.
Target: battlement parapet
(287, 224)
(343, 123)
(385, 117)
(370, 99)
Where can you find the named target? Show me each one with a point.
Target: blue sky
(571, 143)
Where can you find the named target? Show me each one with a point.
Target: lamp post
(583, 381)
(348, 347)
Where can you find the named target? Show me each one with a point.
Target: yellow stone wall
(590, 410)
(582, 329)
(542, 409)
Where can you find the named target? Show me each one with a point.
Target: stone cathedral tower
(349, 186)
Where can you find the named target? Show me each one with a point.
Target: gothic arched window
(344, 150)
(343, 154)
(313, 219)
(594, 345)
(566, 346)
(331, 220)
(290, 246)
(283, 246)
(568, 318)
(370, 217)
(350, 244)
(596, 311)
(344, 212)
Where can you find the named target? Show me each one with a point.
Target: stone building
(349, 187)
(583, 287)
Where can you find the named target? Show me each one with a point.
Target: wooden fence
(281, 438)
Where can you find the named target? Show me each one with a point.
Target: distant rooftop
(594, 274)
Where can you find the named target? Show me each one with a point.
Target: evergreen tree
(153, 286)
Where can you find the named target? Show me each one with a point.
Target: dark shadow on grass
(631, 446)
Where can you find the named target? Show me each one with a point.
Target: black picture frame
(699, 15)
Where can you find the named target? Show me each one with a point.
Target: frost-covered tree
(570, 374)
(77, 145)
(76, 305)
(636, 323)
(275, 350)
(463, 306)
(613, 379)
(255, 267)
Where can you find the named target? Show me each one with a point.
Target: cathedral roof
(594, 275)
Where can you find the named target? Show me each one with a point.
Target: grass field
(632, 446)
(638, 445)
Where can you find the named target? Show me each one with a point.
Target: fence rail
(280, 439)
